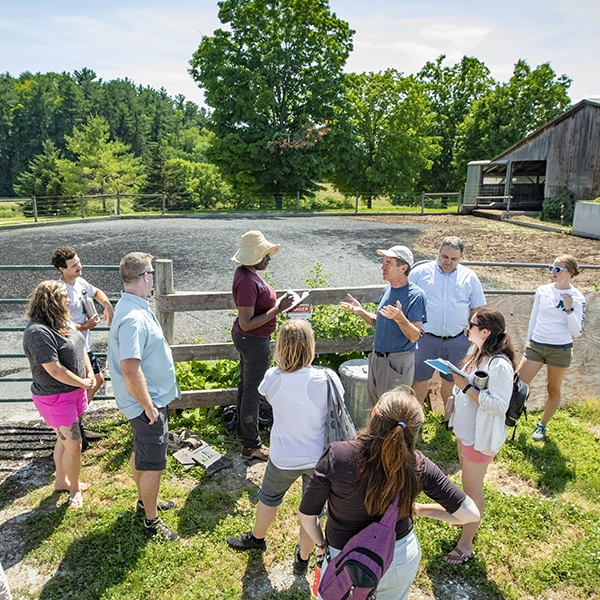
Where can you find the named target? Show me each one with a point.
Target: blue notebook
(445, 367)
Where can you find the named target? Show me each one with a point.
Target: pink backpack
(357, 570)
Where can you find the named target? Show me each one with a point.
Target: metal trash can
(353, 375)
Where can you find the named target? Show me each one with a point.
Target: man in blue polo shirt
(453, 293)
(400, 315)
(143, 378)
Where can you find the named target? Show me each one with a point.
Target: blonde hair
(133, 264)
(46, 305)
(570, 263)
(295, 346)
(387, 458)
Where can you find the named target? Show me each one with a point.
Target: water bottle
(88, 305)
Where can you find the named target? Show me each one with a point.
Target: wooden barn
(563, 153)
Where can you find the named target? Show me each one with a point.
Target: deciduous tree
(451, 91)
(380, 141)
(273, 79)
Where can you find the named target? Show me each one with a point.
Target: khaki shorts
(549, 355)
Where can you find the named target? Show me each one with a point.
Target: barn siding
(571, 146)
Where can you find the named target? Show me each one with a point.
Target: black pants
(254, 362)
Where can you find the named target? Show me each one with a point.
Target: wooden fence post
(35, 215)
(164, 285)
(82, 205)
(356, 205)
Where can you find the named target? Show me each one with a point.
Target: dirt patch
(494, 241)
(508, 483)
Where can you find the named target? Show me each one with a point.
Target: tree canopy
(509, 112)
(273, 80)
(35, 108)
(380, 141)
(451, 91)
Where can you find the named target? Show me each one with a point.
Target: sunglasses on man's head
(553, 269)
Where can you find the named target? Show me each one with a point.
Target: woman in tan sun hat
(258, 308)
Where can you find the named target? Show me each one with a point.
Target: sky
(152, 41)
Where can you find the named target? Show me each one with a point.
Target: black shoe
(300, 566)
(247, 541)
(161, 505)
(159, 527)
(91, 436)
(85, 443)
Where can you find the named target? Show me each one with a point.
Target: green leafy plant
(207, 374)
(329, 321)
(559, 207)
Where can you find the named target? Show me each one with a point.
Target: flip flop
(82, 488)
(457, 557)
(75, 503)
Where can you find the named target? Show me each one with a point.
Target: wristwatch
(570, 311)
(467, 388)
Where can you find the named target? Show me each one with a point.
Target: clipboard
(297, 299)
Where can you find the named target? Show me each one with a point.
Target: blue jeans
(398, 579)
(255, 353)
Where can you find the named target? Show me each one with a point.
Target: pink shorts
(61, 410)
(469, 453)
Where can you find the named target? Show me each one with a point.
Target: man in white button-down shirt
(453, 294)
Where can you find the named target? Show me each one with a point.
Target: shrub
(559, 207)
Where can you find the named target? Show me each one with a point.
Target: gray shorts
(430, 347)
(150, 441)
(276, 482)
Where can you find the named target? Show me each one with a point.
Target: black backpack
(518, 401)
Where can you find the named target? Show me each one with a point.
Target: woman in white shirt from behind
(297, 392)
(556, 318)
(479, 414)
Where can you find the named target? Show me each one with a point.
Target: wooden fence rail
(582, 378)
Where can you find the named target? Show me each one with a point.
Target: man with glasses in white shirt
(453, 294)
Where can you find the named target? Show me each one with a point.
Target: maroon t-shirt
(249, 289)
(334, 481)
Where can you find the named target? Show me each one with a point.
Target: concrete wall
(586, 221)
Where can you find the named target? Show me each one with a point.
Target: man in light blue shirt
(143, 378)
(453, 294)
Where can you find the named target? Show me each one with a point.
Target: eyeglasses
(471, 324)
(553, 269)
(146, 273)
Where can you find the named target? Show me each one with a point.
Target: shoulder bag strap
(390, 518)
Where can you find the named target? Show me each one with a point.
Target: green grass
(540, 536)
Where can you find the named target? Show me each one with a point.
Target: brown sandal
(458, 557)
